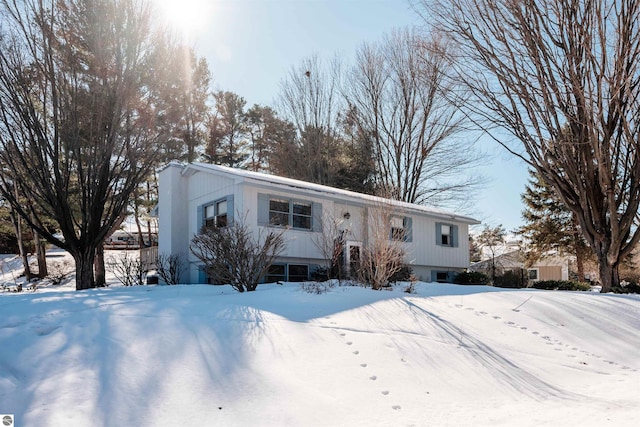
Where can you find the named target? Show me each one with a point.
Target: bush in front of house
(514, 279)
(561, 285)
(233, 255)
(626, 288)
(471, 278)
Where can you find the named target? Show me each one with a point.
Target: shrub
(626, 288)
(317, 287)
(128, 270)
(561, 285)
(471, 278)
(170, 268)
(511, 279)
(233, 255)
(403, 274)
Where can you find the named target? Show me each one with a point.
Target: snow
(202, 355)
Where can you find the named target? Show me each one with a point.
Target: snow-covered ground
(206, 356)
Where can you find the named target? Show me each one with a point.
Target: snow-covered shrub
(317, 287)
(59, 270)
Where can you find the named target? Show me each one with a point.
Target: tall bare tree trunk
(99, 268)
(17, 227)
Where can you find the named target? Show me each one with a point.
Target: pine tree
(550, 226)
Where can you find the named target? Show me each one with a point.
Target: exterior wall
(553, 272)
(173, 224)
(204, 188)
(183, 195)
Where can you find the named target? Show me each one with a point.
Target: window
(442, 277)
(276, 273)
(302, 215)
(279, 212)
(215, 214)
(298, 273)
(400, 229)
(288, 212)
(446, 235)
(532, 274)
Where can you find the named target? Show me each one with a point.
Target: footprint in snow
(349, 343)
(396, 407)
(373, 378)
(469, 308)
(342, 334)
(510, 323)
(363, 365)
(497, 317)
(535, 333)
(458, 305)
(385, 392)
(356, 352)
(524, 328)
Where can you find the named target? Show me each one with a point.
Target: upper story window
(217, 214)
(446, 234)
(401, 228)
(282, 212)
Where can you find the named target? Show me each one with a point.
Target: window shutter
(230, 209)
(438, 234)
(408, 227)
(200, 219)
(316, 218)
(263, 209)
(454, 236)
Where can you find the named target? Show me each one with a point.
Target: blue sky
(252, 44)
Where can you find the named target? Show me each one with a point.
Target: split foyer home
(195, 195)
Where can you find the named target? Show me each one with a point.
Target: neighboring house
(552, 267)
(194, 195)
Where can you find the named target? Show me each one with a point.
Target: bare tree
(77, 120)
(563, 78)
(310, 99)
(383, 254)
(492, 238)
(400, 94)
(233, 255)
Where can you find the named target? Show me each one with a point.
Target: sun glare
(187, 16)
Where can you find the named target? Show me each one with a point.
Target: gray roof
(278, 181)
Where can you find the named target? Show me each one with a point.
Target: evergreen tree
(228, 131)
(550, 226)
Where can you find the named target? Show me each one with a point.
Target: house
(551, 267)
(197, 194)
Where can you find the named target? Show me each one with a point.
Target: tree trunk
(99, 269)
(17, 227)
(609, 276)
(580, 265)
(40, 254)
(84, 269)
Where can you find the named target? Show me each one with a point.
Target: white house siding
(299, 243)
(173, 224)
(185, 189)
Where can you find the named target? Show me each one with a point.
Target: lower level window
(442, 276)
(298, 273)
(276, 273)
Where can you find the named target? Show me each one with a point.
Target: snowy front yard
(206, 356)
